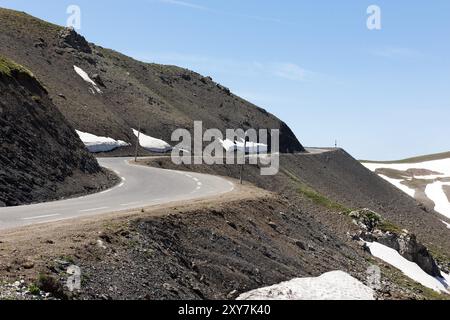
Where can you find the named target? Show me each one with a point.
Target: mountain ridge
(416, 159)
(158, 98)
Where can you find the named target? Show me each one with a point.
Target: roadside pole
(242, 165)
(137, 141)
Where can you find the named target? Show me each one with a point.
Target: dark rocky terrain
(216, 253)
(338, 182)
(163, 98)
(41, 157)
(210, 250)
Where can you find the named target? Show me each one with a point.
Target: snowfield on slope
(335, 285)
(435, 192)
(152, 144)
(249, 147)
(410, 269)
(398, 183)
(434, 183)
(86, 78)
(100, 144)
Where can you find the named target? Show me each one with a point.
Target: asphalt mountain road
(140, 187)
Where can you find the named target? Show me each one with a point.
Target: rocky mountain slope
(118, 93)
(340, 185)
(339, 182)
(41, 157)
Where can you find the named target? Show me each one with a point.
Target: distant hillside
(426, 178)
(418, 159)
(41, 156)
(111, 94)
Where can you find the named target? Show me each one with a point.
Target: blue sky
(383, 94)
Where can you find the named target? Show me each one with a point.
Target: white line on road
(129, 204)
(42, 217)
(91, 205)
(94, 209)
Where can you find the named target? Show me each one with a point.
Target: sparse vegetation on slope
(313, 195)
(18, 19)
(8, 68)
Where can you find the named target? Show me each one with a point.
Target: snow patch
(335, 285)
(249, 147)
(86, 78)
(397, 183)
(152, 144)
(430, 177)
(410, 269)
(435, 192)
(441, 166)
(100, 144)
(447, 224)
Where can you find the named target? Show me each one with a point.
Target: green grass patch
(50, 284)
(320, 199)
(439, 255)
(8, 67)
(313, 195)
(403, 281)
(371, 218)
(387, 226)
(36, 99)
(68, 259)
(34, 289)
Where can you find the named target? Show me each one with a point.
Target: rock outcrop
(406, 244)
(39, 149)
(70, 38)
(376, 229)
